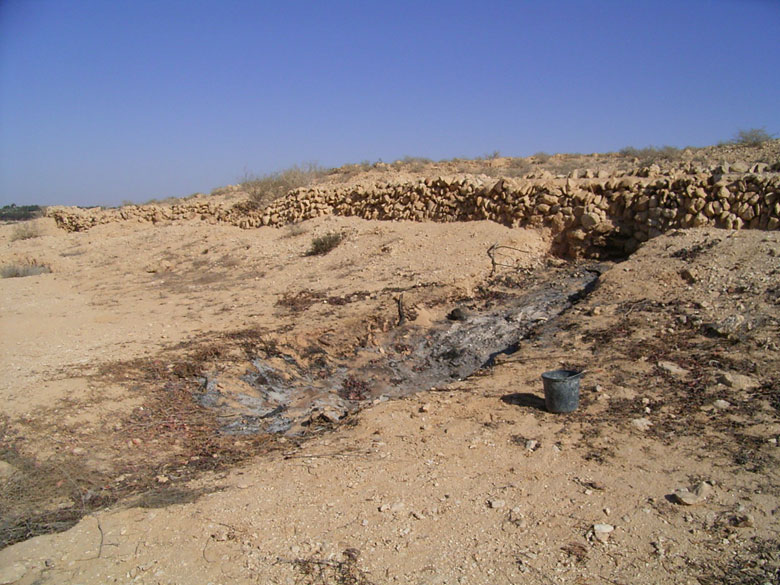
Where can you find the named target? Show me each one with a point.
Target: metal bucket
(562, 390)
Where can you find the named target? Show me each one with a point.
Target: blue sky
(110, 100)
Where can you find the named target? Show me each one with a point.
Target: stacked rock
(588, 213)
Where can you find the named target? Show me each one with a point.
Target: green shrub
(25, 231)
(264, 190)
(324, 244)
(21, 269)
(15, 212)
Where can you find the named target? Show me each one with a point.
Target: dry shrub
(413, 164)
(752, 137)
(24, 268)
(25, 231)
(264, 190)
(324, 244)
(326, 572)
(652, 154)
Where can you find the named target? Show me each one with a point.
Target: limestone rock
(693, 497)
(602, 532)
(589, 220)
(641, 424)
(672, 368)
(738, 381)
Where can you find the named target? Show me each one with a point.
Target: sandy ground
(470, 482)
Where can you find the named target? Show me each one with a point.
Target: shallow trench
(281, 393)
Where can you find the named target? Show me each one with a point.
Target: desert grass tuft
(22, 269)
(323, 244)
(25, 231)
(265, 189)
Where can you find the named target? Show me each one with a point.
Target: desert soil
(471, 481)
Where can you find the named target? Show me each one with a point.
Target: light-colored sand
(443, 486)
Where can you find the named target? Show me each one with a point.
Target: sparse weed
(332, 572)
(413, 163)
(25, 231)
(323, 244)
(21, 269)
(490, 155)
(652, 154)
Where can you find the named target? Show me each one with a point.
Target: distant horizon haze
(104, 102)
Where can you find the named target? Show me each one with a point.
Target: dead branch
(401, 315)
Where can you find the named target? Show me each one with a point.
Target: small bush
(324, 244)
(266, 189)
(22, 269)
(15, 212)
(413, 164)
(25, 231)
(541, 157)
(652, 154)
(490, 155)
(752, 137)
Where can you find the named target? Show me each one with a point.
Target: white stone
(601, 532)
(672, 368)
(641, 424)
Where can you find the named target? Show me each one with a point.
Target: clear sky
(110, 100)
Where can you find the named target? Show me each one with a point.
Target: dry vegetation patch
(24, 268)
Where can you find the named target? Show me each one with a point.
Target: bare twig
(102, 537)
(492, 255)
(401, 315)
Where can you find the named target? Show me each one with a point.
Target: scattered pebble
(738, 381)
(601, 532)
(641, 424)
(743, 521)
(722, 404)
(672, 368)
(692, 497)
(495, 504)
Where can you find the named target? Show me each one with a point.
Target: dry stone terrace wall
(589, 214)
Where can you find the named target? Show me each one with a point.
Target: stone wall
(587, 213)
